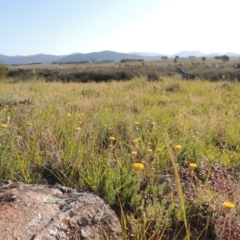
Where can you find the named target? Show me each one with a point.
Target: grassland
(211, 69)
(89, 135)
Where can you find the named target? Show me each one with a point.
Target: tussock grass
(89, 135)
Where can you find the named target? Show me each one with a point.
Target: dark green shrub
(102, 76)
(21, 73)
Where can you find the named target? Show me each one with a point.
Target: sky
(62, 27)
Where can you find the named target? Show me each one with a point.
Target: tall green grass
(65, 135)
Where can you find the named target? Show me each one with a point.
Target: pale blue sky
(161, 26)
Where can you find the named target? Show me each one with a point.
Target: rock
(41, 212)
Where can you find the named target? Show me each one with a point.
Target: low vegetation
(3, 71)
(209, 69)
(165, 155)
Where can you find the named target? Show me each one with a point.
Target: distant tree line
(106, 61)
(224, 58)
(131, 60)
(77, 62)
(101, 61)
(20, 64)
(82, 62)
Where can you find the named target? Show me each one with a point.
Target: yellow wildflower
(149, 150)
(178, 147)
(4, 109)
(4, 125)
(136, 140)
(78, 128)
(80, 122)
(69, 115)
(29, 123)
(134, 153)
(112, 138)
(228, 205)
(136, 123)
(193, 165)
(138, 166)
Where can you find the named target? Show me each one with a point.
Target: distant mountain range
(101, 56)
(29, 59)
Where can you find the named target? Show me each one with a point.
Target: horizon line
(132, 52)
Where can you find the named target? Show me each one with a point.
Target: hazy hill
(231, 54)
(29, 59)
(98, 56)
(212, 55)
(75, 57)
(101, 56)
(145, 54)
(186, 54)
